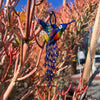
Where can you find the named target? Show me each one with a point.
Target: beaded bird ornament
(54, 34)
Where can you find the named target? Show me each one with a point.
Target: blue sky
(55, 3)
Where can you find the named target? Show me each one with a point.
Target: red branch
(44, 91)
(58, 91)
(16, 64)
(39, 93)
(56, 96)
(27, 18)
(49, 93)
(68, 89)
(6, 71)
(29, 74)
(38, 3)
(31, 13)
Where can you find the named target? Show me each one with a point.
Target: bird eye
(60, 26)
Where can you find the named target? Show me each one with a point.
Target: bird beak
(65, 24)
(71, 22)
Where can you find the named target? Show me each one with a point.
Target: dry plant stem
(33, 89)
(56, 96)
(58, 90)
(21, 53)
(60, 64)
(20, 27)
(92, 49)
(14, 10)
(2, 60)
(44, 91)
(39, 93)
(6, 8)
(31, 13)
(63, 96)
(1, 1)
(30, 22)
(38, 3)
(16, 63)
(5, 49)
(24, 53)
(36, 40)
(14, 3)
(35, 69)
(27, 19)
(5, 72)
(61, 69)
(7, 3)
(31, 29)
(10, 87)
(2, 51)
(25, 48)
(17, 34)
(80, 81)
(28, 75)
(68, 89)
(49, 93)
(74, 97)
(39, 57)
(5, 35)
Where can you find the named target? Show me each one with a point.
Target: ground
(94, 90)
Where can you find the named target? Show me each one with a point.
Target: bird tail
(50, 60)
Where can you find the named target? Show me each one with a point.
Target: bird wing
(47, 28)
